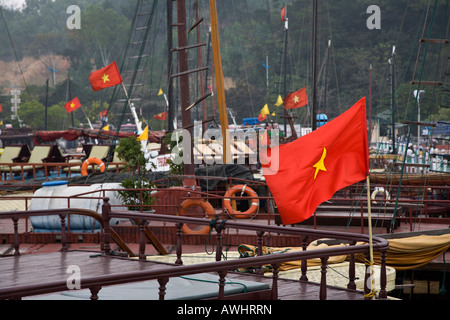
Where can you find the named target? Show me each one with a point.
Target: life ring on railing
(205, 205)
(380, 190)
(243, 189)
(89, 161)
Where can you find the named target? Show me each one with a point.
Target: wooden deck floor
(296, 290)
(28, 275)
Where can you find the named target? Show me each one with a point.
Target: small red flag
(107, 77)
(296, 99)
(312, 168)
(72, 105)
(161, 116)
(262, 117)
(265, 141)
(283, 14)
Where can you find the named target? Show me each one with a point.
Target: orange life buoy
(89, 161)
(243, 189)
(207, 207)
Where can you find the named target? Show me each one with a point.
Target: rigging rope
(14, 50)
(416, 106)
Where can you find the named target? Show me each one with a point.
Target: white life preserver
(374, 194)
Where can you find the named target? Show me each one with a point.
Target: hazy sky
(14, 3)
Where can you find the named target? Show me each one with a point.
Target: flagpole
(89, 121)
(133, 111)
(369, 210)
(136, 120)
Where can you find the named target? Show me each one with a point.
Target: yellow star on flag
(72, 105)
(296, 99)
(105, 78)
(320, 165)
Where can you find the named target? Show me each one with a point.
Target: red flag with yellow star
(161, 116)
(311, 169)
(107, 77)
(72, 105)
(296, 99)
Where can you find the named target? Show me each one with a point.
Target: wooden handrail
(222, 267)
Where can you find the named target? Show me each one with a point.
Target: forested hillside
(251, 34)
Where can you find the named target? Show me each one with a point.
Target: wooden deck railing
(61, 169)
(358, 244)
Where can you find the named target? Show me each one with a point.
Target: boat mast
(325, 77)
(183, 65)
(314, 69)
(392, 77)
(287, 116)
(200, 65)
(370, 104)
(170, 106)
(219, 81)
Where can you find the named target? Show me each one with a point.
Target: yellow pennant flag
(279, 101)
(265, 110)
(106, 128)
(160, 92)
(273, 114)
(144, 135)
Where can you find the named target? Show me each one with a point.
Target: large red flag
(296, 99)
(312, 168)
(107, 77)
(72, 105)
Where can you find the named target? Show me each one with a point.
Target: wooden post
(219, 249)
(260, 250)
(179, 244)
(142, 240)
(369, 212)
(275, 272)
(162, 287)
(94, 293)
(351, 271)
(304, 266)
(106, 209)
(383, 278)
(63, 232)
(323, 279)
(222, 275)
(16, 236)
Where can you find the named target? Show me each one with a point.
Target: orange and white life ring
(89, 161)
(207, 207)
(243, 189)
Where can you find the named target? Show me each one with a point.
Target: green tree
(129, 149)
(32, 113)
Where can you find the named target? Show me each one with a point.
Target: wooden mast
(287, 116)
(170, 104)
(314, 69)
(183, 66)
(219, 82)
